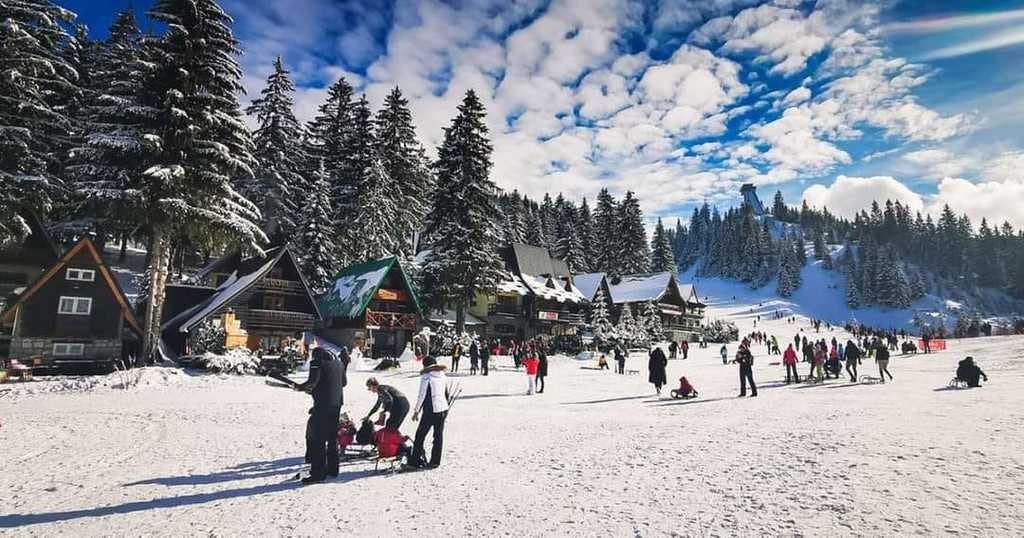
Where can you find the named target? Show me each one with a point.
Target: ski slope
(597, 454)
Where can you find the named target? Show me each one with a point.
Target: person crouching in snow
(432, 404)
(532, 364)
(390, 401)
(789, 359)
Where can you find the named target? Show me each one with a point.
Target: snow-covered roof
(588, 283)
(553, 289)
(227, 291)
(640, 288)
(355, 286)
(512, 284)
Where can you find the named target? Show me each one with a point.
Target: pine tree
(634, 250)
(374, 222)
(570, 248)
(464, 259)
(119, 133)
(606, 225)
(315, 235)
(327, 141)
(652, 327)
(787, 264)
(405, 163)
(534, 230)
(853, 299)
(548, 221)
(278, 178)
(600, 322)
(34, 79)
(364, 224)
(801, 250)
(662, 257)
(628, 329)
(779, 209)
(203, 142)
(587, 235)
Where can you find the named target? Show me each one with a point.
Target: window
(68, 350)
(273, 302)
(76, 306)
(81, 275)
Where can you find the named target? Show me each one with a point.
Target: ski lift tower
(750, 198)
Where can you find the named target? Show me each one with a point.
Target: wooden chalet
(682, 313)
(73, 314)
(260, 301)
(373, 306)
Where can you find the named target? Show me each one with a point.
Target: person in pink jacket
(819, 362)
(789, 359)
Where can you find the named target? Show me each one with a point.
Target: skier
(391, 401)
(746, 361)
(656, 369)
(456, 355)
(432, 403)
(326, 383)
(485, 358)
(789, 359)
(882, 359)
(620, 360)
(724, 352)
(474, 358)
(532, 364)
(969, 372)
(852, 356)
(542, 367)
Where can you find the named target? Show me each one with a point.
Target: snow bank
(238, 361)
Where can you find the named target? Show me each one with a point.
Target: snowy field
(596, 455)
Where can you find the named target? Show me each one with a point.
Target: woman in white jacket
(433, 403)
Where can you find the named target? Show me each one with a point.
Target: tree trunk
(158, 263)
(460, 318)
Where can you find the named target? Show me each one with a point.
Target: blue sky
(834, 101)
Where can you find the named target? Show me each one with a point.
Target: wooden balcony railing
(390, 320)
(278, 284)
(278, 319)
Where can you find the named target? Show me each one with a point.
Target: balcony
(280, 285)
(390, 320)
(505, 310)
(278, 319)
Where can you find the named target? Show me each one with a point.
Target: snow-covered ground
(596, 455)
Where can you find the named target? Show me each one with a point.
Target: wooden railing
(390, 320)
(278, 284)
(278, 319)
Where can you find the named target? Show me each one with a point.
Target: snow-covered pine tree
(464, 259)
(628, 330)
(606, 223)
(405, 163)
(278, 182)
(600, 321)
(327, 137)
(569, 247)
(787, 261)
(549, 222)
(534, 229)
(316, 235)
(634, 250)
(801, 249)
(585, 222)
(853, 299)
(203, 142)
(34, 78)
(662, 257)
(819, 246)
(373, 226)
(120, 133)
(652, 326)
(362, 179)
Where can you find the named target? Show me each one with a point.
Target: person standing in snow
(326, 383)
(532, 363)
(432, 404)
(789, 359)
(390, 401)
(485, 358)
(852, 355)
(685, 347)
(746, 361)
(456, 355)
(542, 367)
(474, 358)
(656, 369)
(796, 341)
(673, 348)
(882, 359)
(724, 352)
(620, 360)
(819, 361)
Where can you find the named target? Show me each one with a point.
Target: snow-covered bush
(239, 361)
(209, 337)
(721, 331)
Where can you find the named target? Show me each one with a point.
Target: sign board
(549, 316)
(385, 294)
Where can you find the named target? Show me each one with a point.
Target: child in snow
(602, 362)
(685, 389)
(532, 364)
(724, 352)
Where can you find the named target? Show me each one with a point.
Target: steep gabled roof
(640, 288)
(355, 286)
(83, 244)
(588, 283)
(247, 273)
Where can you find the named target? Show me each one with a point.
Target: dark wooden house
(682, 313)
(371, 304)
(260, 301)
(73, 314)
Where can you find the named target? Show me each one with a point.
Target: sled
(957, 383)
(870, 380)
(677, 396)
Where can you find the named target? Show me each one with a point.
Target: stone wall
(95, 350)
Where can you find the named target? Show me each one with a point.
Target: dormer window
(81, 275)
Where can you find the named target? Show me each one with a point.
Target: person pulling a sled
(390, 401)
(969, 372)
(432, 406)
(326, 383)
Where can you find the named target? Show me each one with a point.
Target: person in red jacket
(789, 359)
(532, 364)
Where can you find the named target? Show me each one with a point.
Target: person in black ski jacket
(882, 358)
(746, 361)
(485, 358)
(852, 355)
(969, 372)
(656, 369)
(326, 383)
(620, 360)
(391, 401)
(542, 368)
(474, 358)
(456, 355)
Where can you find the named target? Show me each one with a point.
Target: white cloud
(996, 201)
(847, 196)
